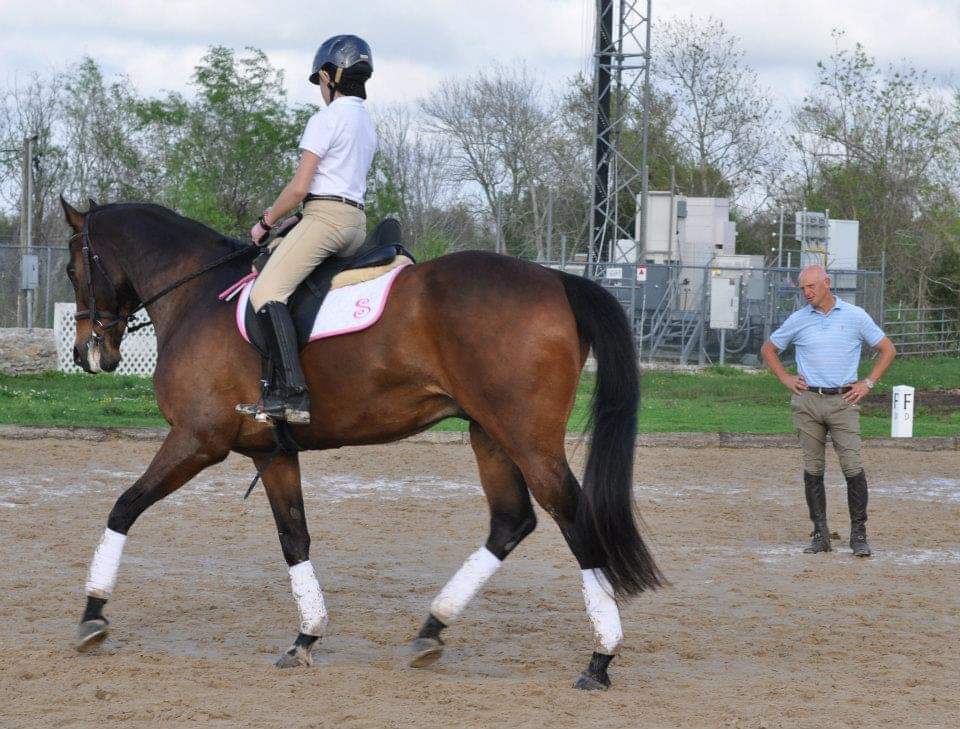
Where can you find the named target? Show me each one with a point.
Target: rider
(338, 146)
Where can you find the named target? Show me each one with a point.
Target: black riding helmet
(346, 58)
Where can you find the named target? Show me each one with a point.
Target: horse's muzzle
(93, 357)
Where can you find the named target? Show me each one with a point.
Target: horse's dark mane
(197, 231)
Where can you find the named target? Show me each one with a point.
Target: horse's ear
(92, 202)
(74, 217)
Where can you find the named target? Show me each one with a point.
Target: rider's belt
(338, 198)
(830, 390)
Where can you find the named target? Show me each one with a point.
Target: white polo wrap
(306, 590)
(461, 588)
(603, 611)
(106, 561)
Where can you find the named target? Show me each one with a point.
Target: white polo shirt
(343, 136)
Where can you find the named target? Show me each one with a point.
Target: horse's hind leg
(556, 489)
(179, 459)
(282, 483)
(511, 519)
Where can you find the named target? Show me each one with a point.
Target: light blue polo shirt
(828, 345)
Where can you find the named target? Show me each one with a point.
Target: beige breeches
(814, 416)
(328, 228)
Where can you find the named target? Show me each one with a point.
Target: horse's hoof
(425, 652)
(588, 682)
(296, 657)
(90, 633)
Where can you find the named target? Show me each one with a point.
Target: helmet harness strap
(333, 84)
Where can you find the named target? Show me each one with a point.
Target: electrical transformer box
(725, 300)
(29, 272)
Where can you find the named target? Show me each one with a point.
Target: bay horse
(497, 341)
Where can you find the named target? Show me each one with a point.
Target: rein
(90, 258)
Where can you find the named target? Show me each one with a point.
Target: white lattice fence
(139, 349)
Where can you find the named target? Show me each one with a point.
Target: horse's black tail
(605, 521)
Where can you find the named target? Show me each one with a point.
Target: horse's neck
(154, 267)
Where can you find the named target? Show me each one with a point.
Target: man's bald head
(812, 273)
(814, 282)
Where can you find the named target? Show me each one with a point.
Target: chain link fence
(675, 309)
(53, 286)
(670, 306)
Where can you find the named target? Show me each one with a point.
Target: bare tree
(31, 108)
(416, 162)
(497, 128)
(724, 121)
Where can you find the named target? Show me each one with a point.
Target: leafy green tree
(875, 145)
(231, 150)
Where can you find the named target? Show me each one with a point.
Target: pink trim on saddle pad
(345, 310)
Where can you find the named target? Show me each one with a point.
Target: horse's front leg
(282, 483)
(182, 456)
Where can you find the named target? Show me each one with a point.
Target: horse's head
(103, 293)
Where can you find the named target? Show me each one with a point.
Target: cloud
(785, 39)
(417, 43)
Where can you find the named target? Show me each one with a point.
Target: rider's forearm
(286, 201)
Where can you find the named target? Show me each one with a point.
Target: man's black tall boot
(857, 501)
(817, 503)
(288, 398)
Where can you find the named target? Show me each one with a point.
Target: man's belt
(337, 198)
(830, 390)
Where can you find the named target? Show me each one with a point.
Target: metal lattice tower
(621, 85)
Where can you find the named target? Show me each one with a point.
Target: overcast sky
(416, 42)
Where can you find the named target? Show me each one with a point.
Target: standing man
(827, 334)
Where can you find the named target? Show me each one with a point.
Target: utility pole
(28, 261)
(549, 223)
(500, 241)
(780, 240)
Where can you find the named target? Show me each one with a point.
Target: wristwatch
(869, 383)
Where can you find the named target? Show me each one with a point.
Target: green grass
(78, 400)
(726, 399)
(719, 399)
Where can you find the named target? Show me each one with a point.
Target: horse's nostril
(76, 355)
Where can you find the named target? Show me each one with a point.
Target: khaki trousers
(814, 416)
(328, 228)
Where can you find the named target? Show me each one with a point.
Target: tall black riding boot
(288, 398)
(857, 501)
(817, 503)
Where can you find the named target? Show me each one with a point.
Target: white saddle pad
(344, 310)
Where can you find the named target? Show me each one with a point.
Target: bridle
(92, 313)
(91, 258)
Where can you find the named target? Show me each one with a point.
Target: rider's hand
(795, 383)
(856, 393)
(258, 233)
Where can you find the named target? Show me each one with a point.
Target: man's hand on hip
(795, 383)
(856, 393)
